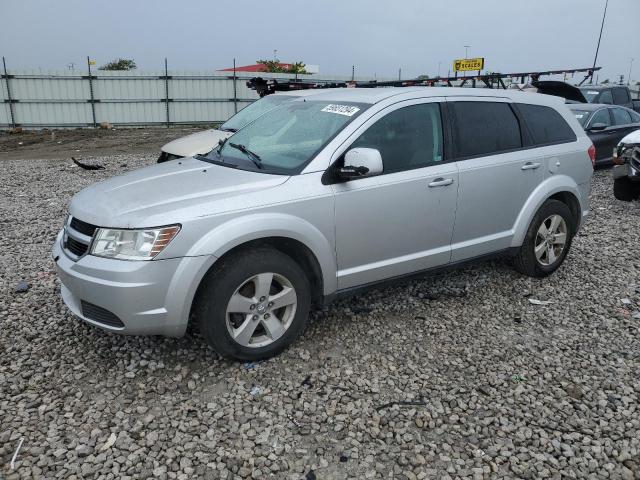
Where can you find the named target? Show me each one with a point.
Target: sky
(378, 38)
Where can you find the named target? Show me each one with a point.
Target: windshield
(581, 115)
(286, 138)
(589, 94)
(256, 109)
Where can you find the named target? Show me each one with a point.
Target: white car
(203, 142)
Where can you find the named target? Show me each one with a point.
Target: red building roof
(258, 67)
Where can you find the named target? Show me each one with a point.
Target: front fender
(244, 229)
(548, 188)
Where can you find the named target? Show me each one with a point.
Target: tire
(626, 190)
(258, 328)
(551, 256)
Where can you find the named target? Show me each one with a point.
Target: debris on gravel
(431, 379)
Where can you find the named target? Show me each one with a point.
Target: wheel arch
(562, 188)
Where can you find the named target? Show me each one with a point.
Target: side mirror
(596, 127)
(361, 162)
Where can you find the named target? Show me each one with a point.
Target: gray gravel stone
(471, 392)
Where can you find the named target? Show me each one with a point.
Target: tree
(274, 66)
(119, 64)
(423, 77)
(605, 81)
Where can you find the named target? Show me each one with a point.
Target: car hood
(633, 137)
(196, 143)
(171, 192)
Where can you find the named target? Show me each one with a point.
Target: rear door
(623, 124)
(496, 174)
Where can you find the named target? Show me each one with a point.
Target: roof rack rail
(489, 80)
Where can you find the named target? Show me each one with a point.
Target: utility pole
(466, 55)
(629, 76)
(595, 59)
(439, 63)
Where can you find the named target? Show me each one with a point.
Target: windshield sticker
(579, 115)
(592, 92)
(346, 110)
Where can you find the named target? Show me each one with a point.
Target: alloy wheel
(261, 310)
(551, 240)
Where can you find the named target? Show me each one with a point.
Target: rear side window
(635, 117)
(620, 96)
(546, 125)
(620, 116)
(485, 128)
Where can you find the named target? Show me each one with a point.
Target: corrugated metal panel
(62, 98)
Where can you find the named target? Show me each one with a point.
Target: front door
(401, 221)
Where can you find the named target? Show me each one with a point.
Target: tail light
(592, 155)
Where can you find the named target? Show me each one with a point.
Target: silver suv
(320, 197)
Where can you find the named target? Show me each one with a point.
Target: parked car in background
(605, 125)
(608, 95)
(322, 197)
(203, 142)
(626, 172)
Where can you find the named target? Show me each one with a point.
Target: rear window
(546, 125)
(485, 128)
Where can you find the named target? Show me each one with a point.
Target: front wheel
(254, 304)
(547, 242)
(626, 190)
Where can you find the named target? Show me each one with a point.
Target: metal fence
(59, 99)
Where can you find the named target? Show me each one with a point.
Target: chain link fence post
(6, 80)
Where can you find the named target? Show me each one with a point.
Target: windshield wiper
(254, 157)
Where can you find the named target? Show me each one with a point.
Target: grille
(635, 157)
(76, 247)
(83, 227)
(100, 315)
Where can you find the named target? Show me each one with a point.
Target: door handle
(530, 166)
(441, 182)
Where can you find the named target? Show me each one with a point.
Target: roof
(375, 95)
(258, 67)
(599, 87)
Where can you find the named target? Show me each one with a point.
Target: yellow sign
(92, 62)
(468, 64)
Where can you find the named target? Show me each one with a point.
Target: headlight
(142, 244)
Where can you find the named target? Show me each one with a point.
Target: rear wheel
(548, 240)
(626, 190)
(254, 304)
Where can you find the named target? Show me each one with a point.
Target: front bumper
(148, 297)
(626, 170)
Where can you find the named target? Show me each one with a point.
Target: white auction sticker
(347, 110)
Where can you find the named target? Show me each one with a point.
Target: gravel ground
(455, 376)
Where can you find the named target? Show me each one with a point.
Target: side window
(620, 96)
(601, 116)
(485, 128)
(635, 117)
(620, 116)
(407, 138)
(546, 125)
(605, 97)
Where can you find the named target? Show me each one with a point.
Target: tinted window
(635, 117)
(484, 128)
(407, 138)
(546, 125)
(601, 116)
(605, 97)
(620, 96)
(620, 116)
